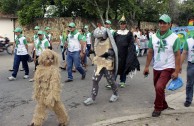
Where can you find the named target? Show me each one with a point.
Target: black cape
(126, 52)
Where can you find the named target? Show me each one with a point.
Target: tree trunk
(98, 9)
(107, 9)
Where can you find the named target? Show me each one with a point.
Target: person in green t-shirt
(63, 40)
(164, 49)
(108, 25)
(21, 54)
(76, 47)
(48, 36)
(188, 49)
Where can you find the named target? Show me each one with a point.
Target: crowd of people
(77, 45)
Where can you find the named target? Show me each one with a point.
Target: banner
(184, 32)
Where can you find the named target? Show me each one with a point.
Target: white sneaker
(31, 80)
(26, 76)
(88, 101)
(11, 78)
(113, 98)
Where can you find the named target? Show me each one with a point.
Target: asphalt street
(17, 106)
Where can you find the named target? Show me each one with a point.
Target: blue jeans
(190, 82)
(24, 60)
(15, 60)
(63, 52)
(122, 78)
(85, 57)
(74, 58)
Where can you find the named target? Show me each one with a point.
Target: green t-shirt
(176, 45)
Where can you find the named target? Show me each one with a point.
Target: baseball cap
(40, 32)
(18, 29)
(165, 18)
(107, 22)
(85, 27)
(71, 24)
(47, 28)
(36, 28)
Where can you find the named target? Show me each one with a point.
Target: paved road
(16, 105)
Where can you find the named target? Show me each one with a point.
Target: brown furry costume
(47, 89)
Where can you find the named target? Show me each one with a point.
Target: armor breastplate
(100, 48)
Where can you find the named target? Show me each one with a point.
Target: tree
(9, 6)
(31, 10)
(186, 12)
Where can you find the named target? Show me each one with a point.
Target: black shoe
(187, 104)
(83, 76)
(168, 108)
(68, 80)
(156, 113)
(63, 68)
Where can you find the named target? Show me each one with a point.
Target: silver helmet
(100, 33)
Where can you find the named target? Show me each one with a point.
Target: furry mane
(49, 54)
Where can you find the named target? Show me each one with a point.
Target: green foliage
(9, 6)
(186, 12)
(30, 11)
(134, 10)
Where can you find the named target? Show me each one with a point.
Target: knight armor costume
(106, 61)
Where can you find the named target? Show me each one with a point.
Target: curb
(171, 99)
(139, 117)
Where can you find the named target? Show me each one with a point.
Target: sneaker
(26, 76)
(11, 70)
(83, 76)
(122, 84)
(68, 80)
(74, 70)
(88, 101)
(11, 78)
(31, 80)
(108, 86)
(156, 113)
(187, 104)
(22, 69)
(113, 98)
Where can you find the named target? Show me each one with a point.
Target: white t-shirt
(189, 46)
(41, 47)
(73, 42)
(88, 38)
(61, 40)
(21, 47)
(164, 59)
(137, 33)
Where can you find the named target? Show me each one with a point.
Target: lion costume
(47, 89)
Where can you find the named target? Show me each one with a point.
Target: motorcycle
(6, 45)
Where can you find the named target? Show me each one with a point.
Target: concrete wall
(56, 24)
(60, 24)
(6, 28)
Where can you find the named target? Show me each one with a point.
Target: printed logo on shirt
(162, 45)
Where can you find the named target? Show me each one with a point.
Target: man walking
(128, 61)
(164, 47)
(188, 50)
(76, 47)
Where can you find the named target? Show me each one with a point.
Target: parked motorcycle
(6, 45)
